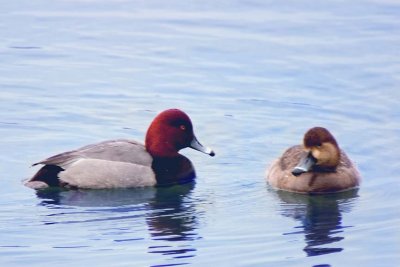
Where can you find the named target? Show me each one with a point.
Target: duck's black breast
(173, 170)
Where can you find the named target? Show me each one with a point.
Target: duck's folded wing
(101, 174)
(121, 150)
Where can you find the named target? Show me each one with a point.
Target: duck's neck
(159, 146)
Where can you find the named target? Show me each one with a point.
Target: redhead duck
(319, 166)
(127, 163)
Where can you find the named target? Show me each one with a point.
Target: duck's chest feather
(174, 170)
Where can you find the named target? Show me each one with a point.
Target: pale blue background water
(254, 76)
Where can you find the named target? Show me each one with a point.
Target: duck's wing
(291, 158)
(102, 174)
(279, 173)
(120, 150)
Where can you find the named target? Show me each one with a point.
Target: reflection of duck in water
(95, 198)
(173, 222)
(173, 216)
(169, 212)
(320, 217)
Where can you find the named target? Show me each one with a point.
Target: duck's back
(280, 176)
(120, 150)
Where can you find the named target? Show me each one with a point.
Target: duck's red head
(171, 131)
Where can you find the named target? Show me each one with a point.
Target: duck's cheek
(316, 153)
(179, 139)
(186, 141)
(181, 144)
(323, 157)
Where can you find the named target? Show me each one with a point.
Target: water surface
(253, 76)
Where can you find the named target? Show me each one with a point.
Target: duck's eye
(182, 127)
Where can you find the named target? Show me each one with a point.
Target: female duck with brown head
(127, 163)
(319, 166)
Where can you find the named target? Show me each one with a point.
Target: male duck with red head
(318, 166)
(127, 163)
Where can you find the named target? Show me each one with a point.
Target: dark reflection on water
(174, 220)
(113, 198)
(168, 211)
(320, 217)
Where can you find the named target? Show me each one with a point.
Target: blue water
(253, 76)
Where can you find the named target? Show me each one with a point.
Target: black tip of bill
(298, 170)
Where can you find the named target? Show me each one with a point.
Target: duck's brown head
(323, 151)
